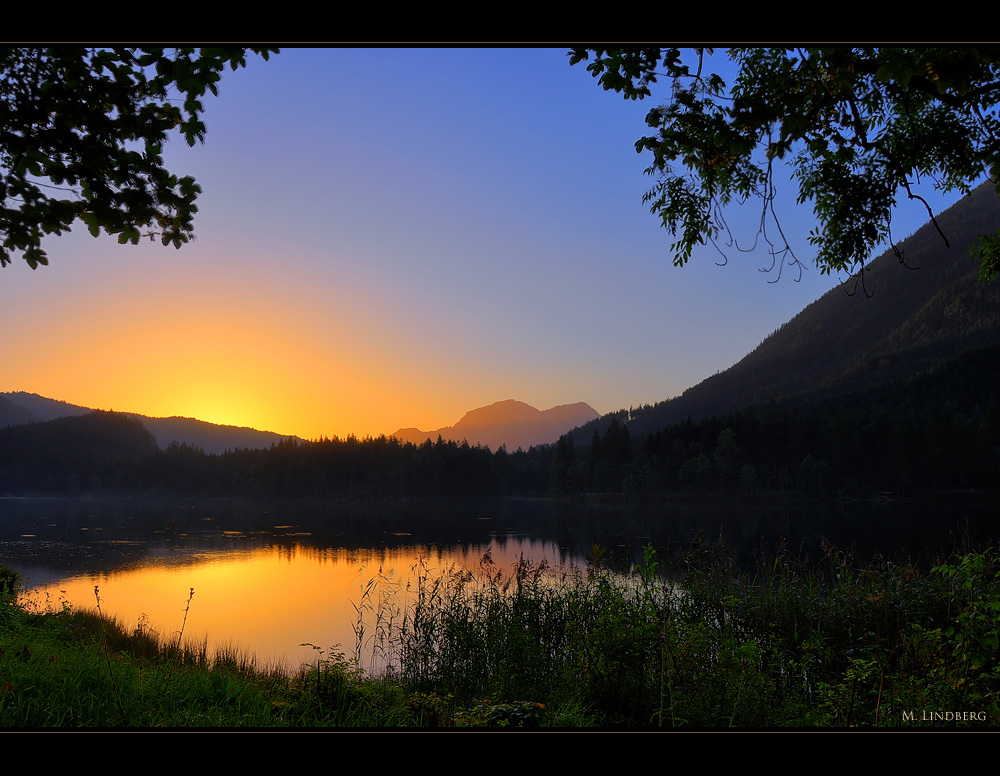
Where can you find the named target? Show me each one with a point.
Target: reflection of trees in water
(101, 536)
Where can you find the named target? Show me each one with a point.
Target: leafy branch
(92, 123)
(858, 128)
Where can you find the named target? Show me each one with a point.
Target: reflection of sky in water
(271, 576)
(270, 600)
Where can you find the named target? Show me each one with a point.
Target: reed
(688, 639)
(697, 639)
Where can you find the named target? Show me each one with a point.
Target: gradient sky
(389, 238)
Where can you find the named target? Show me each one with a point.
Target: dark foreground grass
(705, 642)
(687, 640)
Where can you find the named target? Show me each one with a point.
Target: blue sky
(390, 238)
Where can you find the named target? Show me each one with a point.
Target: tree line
(937, 433)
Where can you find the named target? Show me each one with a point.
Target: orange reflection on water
(268, 602)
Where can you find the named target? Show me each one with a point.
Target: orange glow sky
(390, 239)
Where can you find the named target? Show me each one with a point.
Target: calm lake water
(268, 577)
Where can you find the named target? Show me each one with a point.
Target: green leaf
(128, 101)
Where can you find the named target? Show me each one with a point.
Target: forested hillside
(21, 407)
(908, 313)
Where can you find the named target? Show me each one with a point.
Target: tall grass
(83, 668)
(66, 667)
(682, 639)
(697, 639)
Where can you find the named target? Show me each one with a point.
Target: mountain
(12, 414)
(511, 423)
(72, 454)
(18, 408)
(908, 316)
(210, 437)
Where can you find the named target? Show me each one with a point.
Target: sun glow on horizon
(220, 354)
(350, 280)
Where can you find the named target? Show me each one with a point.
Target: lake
(270, 577)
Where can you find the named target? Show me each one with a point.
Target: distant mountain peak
(508, 422)
(499, 413)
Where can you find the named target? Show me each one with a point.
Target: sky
(390, 238)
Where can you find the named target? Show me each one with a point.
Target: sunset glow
(389, 239)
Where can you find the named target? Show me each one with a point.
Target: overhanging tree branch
(95, 121)
(858, 127)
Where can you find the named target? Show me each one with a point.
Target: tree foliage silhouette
(81, 138)
(858, 128)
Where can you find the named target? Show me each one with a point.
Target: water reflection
(270, 577)
(264, 587)
(267, 600)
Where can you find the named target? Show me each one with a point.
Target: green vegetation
(683, 640)
(10, 581)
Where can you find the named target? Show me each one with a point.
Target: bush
(10, 582)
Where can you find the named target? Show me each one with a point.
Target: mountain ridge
(510, 422)
(20, 407)
(909, 312)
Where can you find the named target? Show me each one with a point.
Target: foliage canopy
(81, 137)
(858, 128)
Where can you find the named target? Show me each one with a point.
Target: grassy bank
(685, 640)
